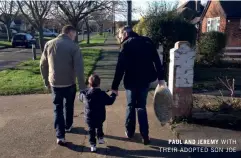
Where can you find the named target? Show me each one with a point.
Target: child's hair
(94, 80)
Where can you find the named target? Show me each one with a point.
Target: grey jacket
(61, 62)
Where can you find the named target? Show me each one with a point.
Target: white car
(49, 33)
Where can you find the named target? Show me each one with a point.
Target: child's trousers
(93, 130)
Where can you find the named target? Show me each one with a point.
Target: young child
(95, 101)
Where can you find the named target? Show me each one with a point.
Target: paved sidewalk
(105, 67)
(26, 130)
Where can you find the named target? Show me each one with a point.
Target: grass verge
(5, 43)
(97, 40)
(26, 77)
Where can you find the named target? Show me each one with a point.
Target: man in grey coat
(61, 62)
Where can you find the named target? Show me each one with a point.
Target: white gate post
(181, 72)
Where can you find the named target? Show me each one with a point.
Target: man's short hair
(68, 28)
(94, 80)
(126, 28)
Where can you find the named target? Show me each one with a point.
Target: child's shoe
(93, 148)
(101, 141)
(61, 141)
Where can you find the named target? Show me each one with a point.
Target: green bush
(167, 28)
(210, 47)
(140, 27)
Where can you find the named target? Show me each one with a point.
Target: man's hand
(162, 83)
(115, 92)
(48, 87)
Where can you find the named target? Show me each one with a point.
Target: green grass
(26, 77)
(96, 40)
(5, 43)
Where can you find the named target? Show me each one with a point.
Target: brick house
(224, 16)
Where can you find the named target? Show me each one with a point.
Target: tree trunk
(88, 30)
(83, 33)
(8, 32)
(101, 29)
(75, 25)
(41, 38)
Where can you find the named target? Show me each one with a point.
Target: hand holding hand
(115, 92)
(162, 83)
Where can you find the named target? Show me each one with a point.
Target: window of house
(213, 24)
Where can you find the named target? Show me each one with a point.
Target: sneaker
(126, 133)
(69, 129)
(92, 148)
(146, 141)
(101, 141)
(61, 141)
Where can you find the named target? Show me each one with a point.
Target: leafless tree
(36, 12)
(76, 11)
(8, 12)
(100, 17)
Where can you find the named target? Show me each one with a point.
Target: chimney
(198, 3)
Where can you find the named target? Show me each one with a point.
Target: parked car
(49, 33)
(23, 39)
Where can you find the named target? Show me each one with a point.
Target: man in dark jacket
(140, 65)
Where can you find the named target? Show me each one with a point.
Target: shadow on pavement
(78, 130)
(74, 147)
(174, 150)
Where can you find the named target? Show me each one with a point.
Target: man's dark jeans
(136, 101)
(63, 99)
(93, 128)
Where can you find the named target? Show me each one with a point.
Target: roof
(191, 5)
(232, 9)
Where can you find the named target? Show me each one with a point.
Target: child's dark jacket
(95, 101)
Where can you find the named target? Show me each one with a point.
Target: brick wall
(214, 10)
(233, 33)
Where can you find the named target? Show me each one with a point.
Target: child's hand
(115, 92)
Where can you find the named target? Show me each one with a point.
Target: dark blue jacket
(95, 101)
(138, 62)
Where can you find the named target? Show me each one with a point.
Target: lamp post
(113, 17)
(129, 12)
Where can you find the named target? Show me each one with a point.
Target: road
(10, 57)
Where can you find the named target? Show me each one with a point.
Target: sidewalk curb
(4, 47)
